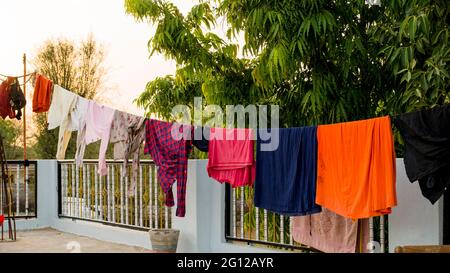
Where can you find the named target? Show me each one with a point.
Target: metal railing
(24, 192)
(248, 224)
(85, 195)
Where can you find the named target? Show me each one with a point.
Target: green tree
(77, 67)
(10, 132)
(321, 61)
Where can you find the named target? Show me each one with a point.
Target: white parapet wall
(415, 221)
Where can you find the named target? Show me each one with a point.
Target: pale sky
(27, 23)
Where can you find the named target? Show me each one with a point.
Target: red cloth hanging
(5, 104)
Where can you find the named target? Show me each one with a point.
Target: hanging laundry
(286, 175)
(96, 126)
(427, 149)
(329, 232)
(78, 114)
(169, 150)
(5, 104)
(127, 134)
(42, 94)
(62, 105)
(201, 138)
(231, 156)
(356, 168)
(17, 98)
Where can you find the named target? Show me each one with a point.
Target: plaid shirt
(171, 157)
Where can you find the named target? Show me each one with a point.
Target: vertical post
(108, 190)
(282, 229)
(121, 195)
(26, 190)
(150, 195)
(242, 211)
(265, 226)
(371, 237)
(72, 198)
(140, 196)
(89, 211)
(77, 192)
(291, 238)
(257, 223)
(382, 239)
(95, 194)
(83, 194)
(156, 200)
(18, 189)
(233, 197)
(63, 184)
(135, 201)
(126, 197)
(100, 191)
(113, 192)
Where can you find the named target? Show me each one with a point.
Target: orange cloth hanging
(42, 94)
(356, 168)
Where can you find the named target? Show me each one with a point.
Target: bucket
(164, 240)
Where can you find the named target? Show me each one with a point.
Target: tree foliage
(10, 132)
(321, 61)
(75, 67)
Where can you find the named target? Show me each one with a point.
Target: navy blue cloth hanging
(201, 143)
(427, 149)
(286, 177)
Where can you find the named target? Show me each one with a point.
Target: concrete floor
(53, 241)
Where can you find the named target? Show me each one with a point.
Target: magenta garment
(231, 156)
(329, 232)
(96, 126)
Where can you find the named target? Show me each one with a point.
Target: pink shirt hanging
(97, 126)
(230, 158)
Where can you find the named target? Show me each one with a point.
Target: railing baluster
(83, 198)
(242, 212)
(234, 228)
(150, 196)
(135, 201)
(155, 183)
(166, 217)
(64, 185)
(257, 223)
(126, 198)
(96, 191)
(382, 239)
(100, 190)
(371, 233)
(77, 192)
(265, 226)
(282, 229)
(291, 238)
(72, 198)
(89, 192)
(26, 190)
(108, 178)
(113, 192)
(140, 196)
(17, 190)
(121, 195)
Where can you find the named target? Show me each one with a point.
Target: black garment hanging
(427, 149)
(203, 143)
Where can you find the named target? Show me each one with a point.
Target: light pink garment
(329, 232)
(96, 126)
(230, 157)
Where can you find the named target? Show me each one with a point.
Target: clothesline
(23, 76)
